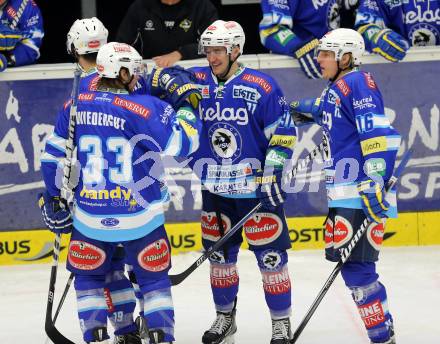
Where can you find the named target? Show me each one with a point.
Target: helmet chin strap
(222, 77)
(339, 71)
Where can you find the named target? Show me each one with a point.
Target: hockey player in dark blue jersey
(120, 194)
(246, 130)
(293, 27)
(21, 33)
(362, 152)
(389, 28)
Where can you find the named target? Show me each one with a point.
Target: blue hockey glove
(307, 60)
(175, 85)
(306, 111)
(9, 38)
(56, 218)
(373, 200)
(269, 188)
(385, 42)
(3, 62)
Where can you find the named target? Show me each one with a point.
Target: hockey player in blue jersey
(84, 39)
(120, 194)
(389, 28)
(246, 129)
(293, 27)
(362, 152)
(21, 33)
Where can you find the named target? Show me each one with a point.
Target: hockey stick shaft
(346, 253)
(179, 278)
(66, 195)
(63, 297)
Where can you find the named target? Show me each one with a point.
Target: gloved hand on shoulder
(3, 62)
(307, 60)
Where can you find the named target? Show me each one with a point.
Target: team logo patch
(424, 35)
(225, 141)
(210, 228)
(328, 236)
(372, 314)
(276, 282)
(271, 260)
(263, 228)
(85, 256)
(224, 276)
(155, 257)
(375, 233)
(342, 231)
(110, 222)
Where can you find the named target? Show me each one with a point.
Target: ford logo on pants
(110, 222)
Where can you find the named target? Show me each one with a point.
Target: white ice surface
(411, 275)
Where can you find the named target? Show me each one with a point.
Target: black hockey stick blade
(179, 278)
(346, 254)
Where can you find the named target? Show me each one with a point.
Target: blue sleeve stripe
(174, 144)
(57, 142)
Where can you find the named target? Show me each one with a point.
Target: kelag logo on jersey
(225, 141)
(230, 114)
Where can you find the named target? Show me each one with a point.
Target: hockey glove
(175, 85)
(307, 60)
(306, 111)
(269, 188)
(9, 38)
(385, 42)
(373, 200)
(3, 62)
(56, 218)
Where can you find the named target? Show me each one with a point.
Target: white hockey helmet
(113, 56)
(86, 36)
(222, 33)
(342, 41)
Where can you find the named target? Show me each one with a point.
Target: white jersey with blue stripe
(120, 138)
(360, 138)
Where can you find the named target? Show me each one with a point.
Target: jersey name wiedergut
(117, 199)
(360, 138)
(240, 117)
(417, 21)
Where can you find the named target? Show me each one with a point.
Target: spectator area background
(59, 15)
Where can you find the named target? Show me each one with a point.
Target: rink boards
(410, 229)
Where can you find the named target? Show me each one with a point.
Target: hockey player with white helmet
(114, 130)
(247, 135)
(362, 152)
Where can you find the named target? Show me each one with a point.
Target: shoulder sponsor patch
(86, 97)
(343, 87)
(370, 81)
(263, 83)
(200, 75)
(132, 107)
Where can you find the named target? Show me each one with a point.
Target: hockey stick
(63, 297)
(66, 196)
(179, 278)
(346, 253)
